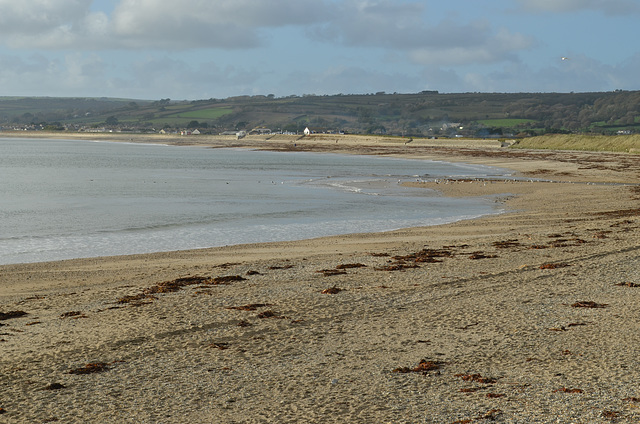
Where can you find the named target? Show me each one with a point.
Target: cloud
(91, 75)
(159, 24)
(402, 27)
(608, 7)
(41, 22)
(483, 46)
(40, 15)
(37, 74)
(377, 23)
(177, 78)
(626, 77)
(242, 24)
(581, 74)
(180, 25)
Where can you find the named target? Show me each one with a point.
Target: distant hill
(422, 114)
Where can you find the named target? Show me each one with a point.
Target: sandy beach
(526, 317)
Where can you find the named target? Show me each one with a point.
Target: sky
(201, 49)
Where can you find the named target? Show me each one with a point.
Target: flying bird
(565, 58)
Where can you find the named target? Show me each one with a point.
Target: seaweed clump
(424, 367)
(12, 314)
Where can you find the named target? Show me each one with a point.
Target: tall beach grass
(595, 143)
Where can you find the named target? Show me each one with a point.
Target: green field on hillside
(204, 114)
(505, 123)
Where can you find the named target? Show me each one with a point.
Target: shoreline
(491, 299)
(579, 166)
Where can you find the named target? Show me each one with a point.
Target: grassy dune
(620, 143)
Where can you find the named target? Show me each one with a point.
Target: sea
(65, 199)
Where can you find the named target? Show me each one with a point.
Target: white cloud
(161, 24)
(81, 69)
(402, 27)
(482, 47)
(185, 24)
(178, 79)
(37, 74)
(372, 23)
(240, 24)
(627, 73)
(42, 22)
(438, 78)
(608, 7)
(40, 15)
(91, 75)
(580, 74)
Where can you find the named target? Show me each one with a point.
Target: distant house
(261, 131)
(195, 132)
(446, 126)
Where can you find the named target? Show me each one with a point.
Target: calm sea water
(62, 199)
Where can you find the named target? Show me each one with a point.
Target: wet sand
(530, 316)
